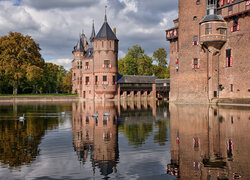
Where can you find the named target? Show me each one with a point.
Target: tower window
(208, 29)
(198, 2)
(96, 79)
(223, 31)
(232, 87)
(114, 79)
(195, 18)
(106, 63)
(87, 80)
(229, 59)
(195, 40)
(104, 78)
(195, 64)
(236, 26)
(102, 44)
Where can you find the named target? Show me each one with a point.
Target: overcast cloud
(56, 24)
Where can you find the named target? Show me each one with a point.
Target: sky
(56, 24)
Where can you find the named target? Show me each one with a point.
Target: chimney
(114, 30)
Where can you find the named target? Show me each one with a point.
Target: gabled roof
(136, 79)
(106, 32)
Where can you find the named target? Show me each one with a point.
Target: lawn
(38, 95)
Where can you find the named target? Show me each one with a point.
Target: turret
(213, 29)
(106, 58)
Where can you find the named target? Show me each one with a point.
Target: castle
(95, 70)
(209, 51)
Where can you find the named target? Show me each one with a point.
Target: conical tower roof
(80, 45)
(92, 37)
(106, 32)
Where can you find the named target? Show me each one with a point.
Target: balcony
(172, 34)
(213, 33)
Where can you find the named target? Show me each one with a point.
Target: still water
(125, 140)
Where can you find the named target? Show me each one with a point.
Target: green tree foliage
(67, 82)
(23, 70)
(18, 53)
(160, 56)
(136, 62)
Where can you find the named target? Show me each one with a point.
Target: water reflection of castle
(96, 136)
(209, 142)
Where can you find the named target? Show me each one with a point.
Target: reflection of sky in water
(206, 142)
(57, 158)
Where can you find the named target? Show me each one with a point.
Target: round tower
(105, 46)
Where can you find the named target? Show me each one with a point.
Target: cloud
(63, 62)
(56, 24)
(50, 4)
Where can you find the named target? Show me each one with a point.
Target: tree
(67, 82)
(145, 66)
(161, 70)
(17, 54)
(34, 76)
(160, 56)
(136, 62)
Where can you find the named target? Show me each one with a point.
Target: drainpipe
(208, 75)
(218, 71)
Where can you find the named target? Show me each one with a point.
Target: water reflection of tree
(19, 142)
(161, 134)
(137, 134)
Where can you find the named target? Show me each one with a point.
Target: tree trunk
(15, 88)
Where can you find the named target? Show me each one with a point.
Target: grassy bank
(38, 95)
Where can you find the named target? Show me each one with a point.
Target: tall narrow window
(114, 80)
(96, 79)
(196, 64)
(87, 80)
(229, 58)
(102, 44)
(208, 29)
(80, 64)
(236, 26)
(104, 80)
(87, 65)
(195, 41)
(232, 87)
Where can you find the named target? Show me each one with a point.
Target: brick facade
(209, 52)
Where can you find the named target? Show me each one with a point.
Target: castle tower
(77, 64)
(105, 62)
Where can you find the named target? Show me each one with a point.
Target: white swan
(21, 119)
(106, 114)
(95, 115)
(63, 113)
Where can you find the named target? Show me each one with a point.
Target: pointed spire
(105, 18)
(92, 37)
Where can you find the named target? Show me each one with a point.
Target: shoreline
(227, 102)
(39, 99)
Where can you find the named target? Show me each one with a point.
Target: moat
(124, 140)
